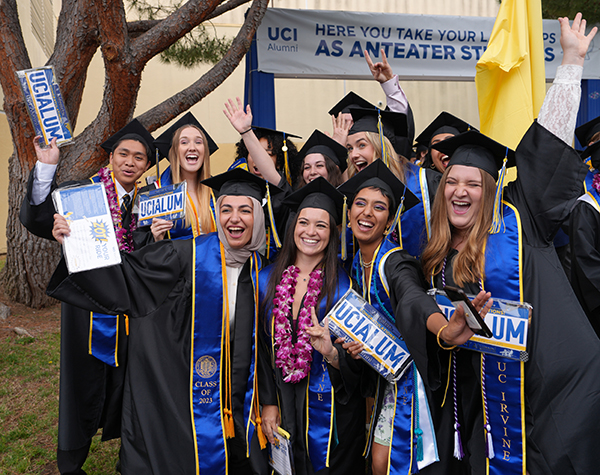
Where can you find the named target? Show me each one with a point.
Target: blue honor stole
(504, 378)
(210, 371)
(414, 223)
(413, 440)
(320, 432)
(590, 196)
(104, 329)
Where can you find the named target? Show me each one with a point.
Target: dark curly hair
(275, 142)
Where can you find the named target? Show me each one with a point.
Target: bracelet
(245, 131)
(439, 341)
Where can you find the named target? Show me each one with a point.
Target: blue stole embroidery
(208, 354)
(505, 379)
(407, 400)
(321, 436)
(414, 223)
(104, 330)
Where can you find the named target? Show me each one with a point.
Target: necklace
(124, 236)
(366, 264)
(294, 360)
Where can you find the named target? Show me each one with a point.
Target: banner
(331, 44)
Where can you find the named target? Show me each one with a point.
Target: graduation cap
(377, 174)
(266, 132)
(239, 182)
(318, 142)
(586, 131)
(593, 151)
(392, 124)
(473, 149)
(348, 102)
(320, 194)
(164, 141)
(445, 123)
(132, 131)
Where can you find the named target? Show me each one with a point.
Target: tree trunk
(30, 260)
(83, 26)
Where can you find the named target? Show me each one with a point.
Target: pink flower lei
(294, 359)
(124, 236)
(596, 182)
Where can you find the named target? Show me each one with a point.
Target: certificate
(280, 453)
(92, 242)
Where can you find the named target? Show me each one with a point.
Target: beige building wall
(301, 104)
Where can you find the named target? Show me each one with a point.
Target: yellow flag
(510, 79)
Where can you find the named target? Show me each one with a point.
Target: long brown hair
(287, 256)
(202, 191)
(398, 163)
(469, 263)
(595, 138)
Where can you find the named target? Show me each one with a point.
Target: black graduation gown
(154, 287)
(346, 457)
(584, 230)
(90, 390)
(562, 387)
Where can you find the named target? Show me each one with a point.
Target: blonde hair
(202, 191)
(470, 260)
(398, 163)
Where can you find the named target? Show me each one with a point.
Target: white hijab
(238, 257)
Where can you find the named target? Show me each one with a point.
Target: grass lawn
(29, 375)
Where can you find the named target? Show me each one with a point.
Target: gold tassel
(288, 175)
(262, 440)
(272, 219)
(126, 325)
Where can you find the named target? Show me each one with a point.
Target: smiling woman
(373, 137)
(297, 356)
(188, 147)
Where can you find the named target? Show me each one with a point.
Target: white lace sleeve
(559, 111)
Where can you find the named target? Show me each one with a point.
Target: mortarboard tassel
(418, 431)
(272, 219)
(157, 167)
(398, 214)
(288, 176)
(343, 233)
(498, 215)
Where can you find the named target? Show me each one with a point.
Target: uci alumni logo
(206, 366)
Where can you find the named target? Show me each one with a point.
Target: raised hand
(341, 126)
(574, 41)
(240, 119)
(381, 71)
(49, 155)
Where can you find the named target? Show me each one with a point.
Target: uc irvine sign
(317, 43)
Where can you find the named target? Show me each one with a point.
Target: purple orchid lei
(294, 359)
(596, 182)
(124, 236)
